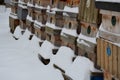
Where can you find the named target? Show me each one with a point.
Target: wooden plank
(98, 52)
(110, 59)
(106, 56)
(102, 54)
(115, 61)
(107, 76)
(119, 63)
(82, 7)
(85, 14)
(91, 11)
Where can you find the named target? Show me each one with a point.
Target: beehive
(108, 55)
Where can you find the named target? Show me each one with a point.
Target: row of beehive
(65, 22)
(85, 23)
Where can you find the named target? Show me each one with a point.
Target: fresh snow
(13, 15)
(89, 39)
(51, 25)
(38, 23)
(2, 9)
(30, 5)
(80, 69)
(18, 62)
(17, 32)
(69, 31)
(19, 58)
(29, 18)
(46, 49)
(71, 9)
(22, 6)
(63, 57)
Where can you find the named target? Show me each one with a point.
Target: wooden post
(106, 55)
(98, 52)
(119, 62)
(115, 61)
(110, 59)
(102, 54)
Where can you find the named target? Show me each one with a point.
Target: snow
(40, 7)
(89, 39)
(46, 49)
(29, 18)
(17, 32)
(80, 69)
(22, 6)
(51, 25)
(71, 9)
(117, 1)
(19, 58)
(30, 5)
(18, 62)
(2, 9)
(21, 2)
(69, 31)
(36, 23)
(13, 15)
(63, 57)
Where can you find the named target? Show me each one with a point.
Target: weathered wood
(102, 54)
(88, 12)
(119, 62)
(107, 76)
(106, 55)
(109, 36)
(111, 59)
(98, 52)
(115, 60)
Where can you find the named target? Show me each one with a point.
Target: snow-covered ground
(19, 58)
(18, 61)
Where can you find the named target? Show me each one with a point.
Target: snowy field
(19, 58)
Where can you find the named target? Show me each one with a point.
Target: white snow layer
(63, 57)
(71, 9)
(19, 61)
(17, 32)
(29, 18)
(2, 9)
(80, 69)
(46, 49)
(71, 32)
(89, 39)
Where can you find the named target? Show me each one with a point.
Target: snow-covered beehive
(22, 10)
(69, 34)
(13, 19)
(54, 24)
(31, 15)
(57, 4)
(110, 28)
(41, 18)
(108, 48)
(89, 21)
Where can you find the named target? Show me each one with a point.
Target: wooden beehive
(110, 28)
(69, 34)
(110, 11)
(90, 20)
(13, 22)
(23, 24)
(57, 4)
(108, 57)
(52, 31)
(43, 3)
(22, 12)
